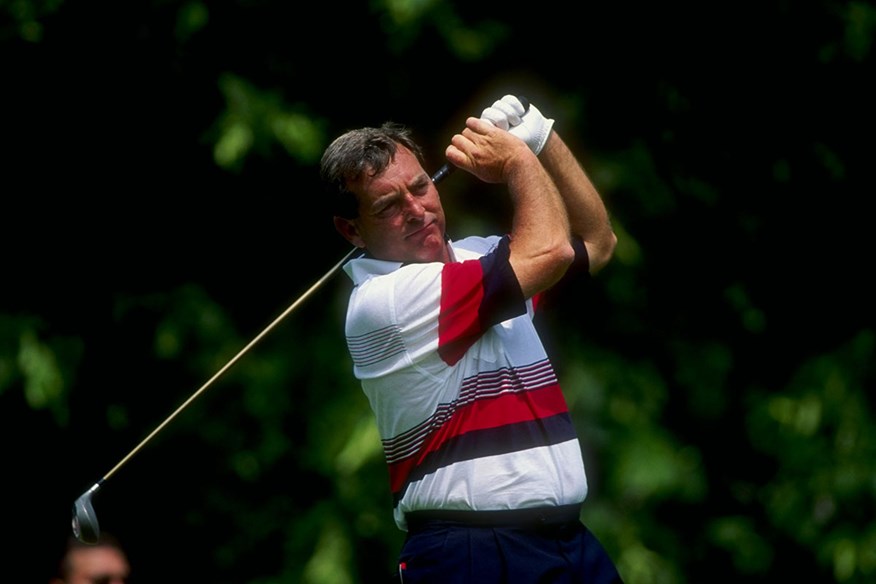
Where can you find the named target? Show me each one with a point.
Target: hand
(488, 152)
(528, 124)
(504, 113)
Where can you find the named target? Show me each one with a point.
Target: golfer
(485, 467)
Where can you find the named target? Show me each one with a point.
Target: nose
(414, 210)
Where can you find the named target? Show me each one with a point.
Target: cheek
(439, 212)
(383, 232)
(433, 204)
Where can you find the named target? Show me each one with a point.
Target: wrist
(520, 165)
(548, 141)
(541, 138)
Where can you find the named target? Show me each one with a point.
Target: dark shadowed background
(161, 208)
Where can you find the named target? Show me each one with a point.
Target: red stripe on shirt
(502, 410)
(462, 292)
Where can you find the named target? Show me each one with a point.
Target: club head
(85, 526)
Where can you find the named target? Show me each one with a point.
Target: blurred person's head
(104, 562)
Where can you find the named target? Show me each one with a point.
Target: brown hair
(358, 151)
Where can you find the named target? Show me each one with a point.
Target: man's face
(400, 214)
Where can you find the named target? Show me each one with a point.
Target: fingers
(487, 144)
(485, 150)
(496, 117)
(474, 137)
(479, 125)
(511, 107)
(461, 145)
(455, 156)
(505, 113)
(513, 102)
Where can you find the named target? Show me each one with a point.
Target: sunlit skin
(101, 563)
(400, 214)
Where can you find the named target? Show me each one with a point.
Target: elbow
(565, 255)
(539, 271)
(600, 253)
(557, 261)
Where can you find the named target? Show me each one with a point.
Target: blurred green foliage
(162, 207)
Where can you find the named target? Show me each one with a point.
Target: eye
(420, 189)
(386, 210)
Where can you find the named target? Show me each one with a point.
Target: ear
(347, 228)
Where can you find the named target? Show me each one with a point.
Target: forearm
(587, 215)
(540, 235)
(541, 249)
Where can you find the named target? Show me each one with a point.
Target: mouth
(424, 227)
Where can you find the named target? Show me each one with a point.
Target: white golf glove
(527, 123)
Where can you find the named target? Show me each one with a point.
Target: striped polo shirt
(466, 401)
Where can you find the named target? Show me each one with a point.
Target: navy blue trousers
(445, 552)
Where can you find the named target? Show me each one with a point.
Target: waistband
(526, 518)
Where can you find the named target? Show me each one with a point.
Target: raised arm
(541, 251)
(587, 215)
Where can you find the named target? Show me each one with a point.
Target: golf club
(85, 524)
(448, 168)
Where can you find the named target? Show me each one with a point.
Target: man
(485, 466)
(102, 563)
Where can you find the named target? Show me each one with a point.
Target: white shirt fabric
(468, 406)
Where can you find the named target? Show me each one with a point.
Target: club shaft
(233, 360)
(442, 173)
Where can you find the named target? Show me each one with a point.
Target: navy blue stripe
(494, 441)
(375, 346)
(484, 385)
(503, 298)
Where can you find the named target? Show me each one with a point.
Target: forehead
(89, 560)
(404, 167)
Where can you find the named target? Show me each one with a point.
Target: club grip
(525, 103)
(448, 168)
(443, 172)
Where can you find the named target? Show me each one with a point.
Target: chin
(436, 253)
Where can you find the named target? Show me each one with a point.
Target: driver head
(85, 526)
